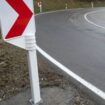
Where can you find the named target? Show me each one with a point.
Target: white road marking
(90, 86)
(89, 21)
(72, 74)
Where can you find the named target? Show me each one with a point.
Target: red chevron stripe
(25, 14)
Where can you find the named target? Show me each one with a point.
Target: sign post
(66, 7)
(33, 69)
(40, 5)
(92, 4)
(18, 28)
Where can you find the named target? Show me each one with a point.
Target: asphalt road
(77, 44)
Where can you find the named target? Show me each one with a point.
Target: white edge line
(86, 18)
(93, 88)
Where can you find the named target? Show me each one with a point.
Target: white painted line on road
(89, 21)
(93, 88)
(88, 85)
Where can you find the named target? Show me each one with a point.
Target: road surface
(74, 42)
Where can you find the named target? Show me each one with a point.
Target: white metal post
(41, 7)
(66, 6)
(33, 69)
(92, 4)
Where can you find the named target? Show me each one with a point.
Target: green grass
(0, 36)
(99, 4)
(51, 5)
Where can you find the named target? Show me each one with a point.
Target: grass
(99, 4)
(0, 36)
(51, 5)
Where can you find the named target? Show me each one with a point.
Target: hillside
(61, 4)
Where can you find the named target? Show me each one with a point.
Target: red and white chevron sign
(17, 20)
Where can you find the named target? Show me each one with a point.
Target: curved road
(70, 39)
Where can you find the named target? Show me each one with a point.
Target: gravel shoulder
(15, 85)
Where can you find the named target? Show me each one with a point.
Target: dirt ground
(14, 75)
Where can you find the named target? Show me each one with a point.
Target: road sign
(17, 20)
(18, 28)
